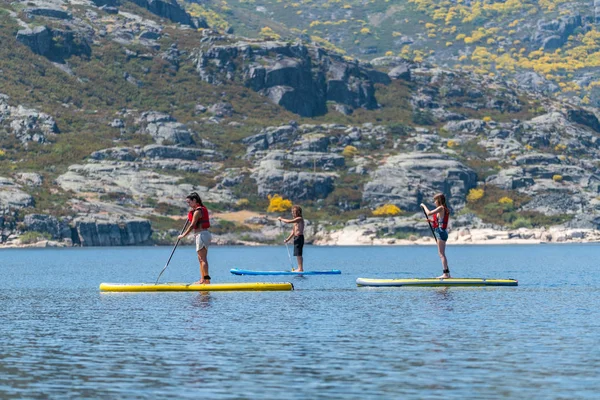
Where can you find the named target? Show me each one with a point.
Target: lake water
(61, 338)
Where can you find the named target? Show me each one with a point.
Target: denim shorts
(441, 234)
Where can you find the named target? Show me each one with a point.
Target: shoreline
(355, 236)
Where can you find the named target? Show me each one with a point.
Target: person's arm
(195, 219)
(290, 221)
(289, 237)
(431, 212)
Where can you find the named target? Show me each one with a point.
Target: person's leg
(298, 248)
(442, 253)
(203, 259)
(300, 263)
(202, 242)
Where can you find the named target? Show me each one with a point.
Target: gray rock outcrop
(47, 224)
(12, 197)
(55, 44)
(551, 35)
(301, 79)
(406, 180)
(272, 178)
(536, 83)
(169, 9)
(26, 124)
(165, 129)
(50, 12)
(96, 231)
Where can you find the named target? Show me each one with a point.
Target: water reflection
(444, 297)
(202, 300)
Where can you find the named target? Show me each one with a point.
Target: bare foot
(297, 270)
(200, 282)
(444, 276)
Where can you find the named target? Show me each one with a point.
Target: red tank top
(436, 223)
(204, 221)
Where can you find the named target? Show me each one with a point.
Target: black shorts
(298, 245)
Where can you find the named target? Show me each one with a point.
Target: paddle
(430, 227)
(171, 256)
(286, 247)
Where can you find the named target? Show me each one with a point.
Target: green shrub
(521, 222)
(34, 237)
(422, 117)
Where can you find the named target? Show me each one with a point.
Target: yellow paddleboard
(437, 282)
(190, 287)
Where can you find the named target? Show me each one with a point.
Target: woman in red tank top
(198, 221)
(441, 214)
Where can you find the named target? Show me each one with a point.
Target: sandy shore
(355, 236)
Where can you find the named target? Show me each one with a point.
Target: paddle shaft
(287, 248)
(430, 227)
(172, 252)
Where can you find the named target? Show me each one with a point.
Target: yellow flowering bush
(475, 195)
(349, 151)
(506, 200)
(386, 209)
(278, 203)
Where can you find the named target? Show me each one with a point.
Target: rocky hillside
(112, 111)
(550, 46)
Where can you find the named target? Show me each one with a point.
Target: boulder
(400, 72)
(271, 178)
(12, 197)
(221, 110)
(313, 142)
(406, 180)
(510, 179)
(97, 231)
(29, 179)
(584, 117)
(472, 126)
(165, 130)
(116, 153)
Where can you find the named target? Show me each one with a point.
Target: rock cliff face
(55, 44)
(171, 10)
(111, 232)
(302, 79)
(551, 35)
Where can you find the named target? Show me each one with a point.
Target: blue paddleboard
(237, 271)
